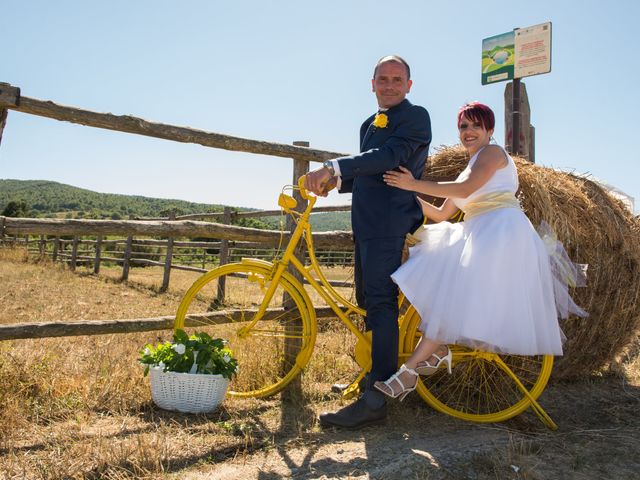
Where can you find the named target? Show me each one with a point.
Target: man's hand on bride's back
(402, 179)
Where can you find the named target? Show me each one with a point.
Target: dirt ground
(598, 438)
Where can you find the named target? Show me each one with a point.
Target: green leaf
(209, 354)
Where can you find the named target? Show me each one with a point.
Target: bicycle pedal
(352, 391)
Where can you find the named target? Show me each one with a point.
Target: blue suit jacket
(378, 210)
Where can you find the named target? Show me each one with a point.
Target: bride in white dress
(487, 282)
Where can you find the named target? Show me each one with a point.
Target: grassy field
(79, 407)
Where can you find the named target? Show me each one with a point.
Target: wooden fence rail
(57, 250)
(179, 228)
(48, 245)
(182, 255)
(10, 98)
(63, 328)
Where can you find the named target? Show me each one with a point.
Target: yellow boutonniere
(381, 121)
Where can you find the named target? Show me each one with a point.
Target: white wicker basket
(187, 392)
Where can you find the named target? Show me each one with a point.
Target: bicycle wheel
(271, 351)
(481, 388)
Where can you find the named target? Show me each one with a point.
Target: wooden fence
(51, 233)
(186, 255)
(194, 256)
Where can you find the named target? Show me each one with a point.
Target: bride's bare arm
(490, 159)
(438, 214)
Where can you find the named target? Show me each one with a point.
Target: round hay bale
(595, 229)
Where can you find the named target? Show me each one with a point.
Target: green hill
(49, 199)
(43, 198)
(324, 222)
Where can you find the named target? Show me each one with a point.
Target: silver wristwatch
(329, 166)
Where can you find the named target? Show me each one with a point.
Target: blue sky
(295, 70)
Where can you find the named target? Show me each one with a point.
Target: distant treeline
(42, 198)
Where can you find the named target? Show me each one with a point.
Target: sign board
(520, 53)
(533, 50)
(498, 58)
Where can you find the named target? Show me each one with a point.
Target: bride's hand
(403, 179)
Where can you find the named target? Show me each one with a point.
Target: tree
(16, 209)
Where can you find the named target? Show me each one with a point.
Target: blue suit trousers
(379, 258)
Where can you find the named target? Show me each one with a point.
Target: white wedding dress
(487, 282)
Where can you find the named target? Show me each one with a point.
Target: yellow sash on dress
(490, 201)
(482, 204)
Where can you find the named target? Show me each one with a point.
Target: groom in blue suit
(399, 134)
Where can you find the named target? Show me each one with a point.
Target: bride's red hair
(477, 112)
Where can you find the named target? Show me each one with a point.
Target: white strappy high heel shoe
(386, 386)
(425, 368)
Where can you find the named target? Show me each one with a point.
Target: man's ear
(409, 83)
(373, 84)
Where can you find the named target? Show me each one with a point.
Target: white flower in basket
(190, 374)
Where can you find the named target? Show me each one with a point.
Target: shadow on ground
(598, 437)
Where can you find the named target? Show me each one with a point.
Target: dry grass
(596, 229)
(79, 407)
(151, 278)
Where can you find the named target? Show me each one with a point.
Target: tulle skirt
(487, 283)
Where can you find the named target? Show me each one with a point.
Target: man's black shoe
(354, 416)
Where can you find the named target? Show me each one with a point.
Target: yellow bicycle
(270, 321)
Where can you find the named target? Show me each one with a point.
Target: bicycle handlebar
(304, 193)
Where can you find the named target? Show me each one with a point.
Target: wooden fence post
(127, 256)
(56, 247)
(168, 258)
(3, 121)
(96, 262)
(9, 97)
(292, 342)
(74, 253)
(300, 168)
(42, 246)
(525, 128)
(224, 258)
